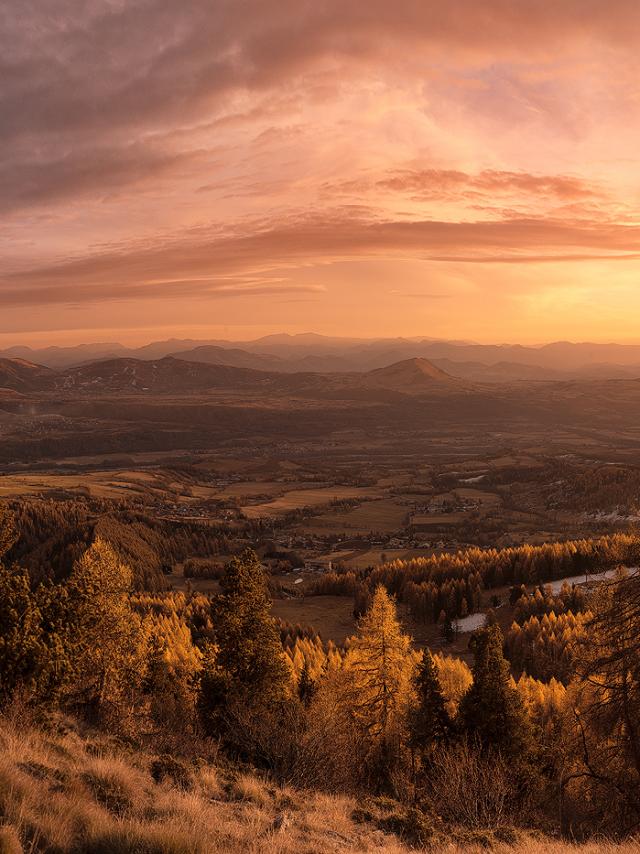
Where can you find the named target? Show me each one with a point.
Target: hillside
(21, 375)
(413, 377)
(234, 357)
(173, 375)
(167, 375)
(71, 789)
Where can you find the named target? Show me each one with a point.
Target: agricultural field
(384, 516)
(297, 499)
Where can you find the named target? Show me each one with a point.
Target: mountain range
(321, 354)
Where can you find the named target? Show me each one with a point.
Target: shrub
(112, 785)
(165, 767)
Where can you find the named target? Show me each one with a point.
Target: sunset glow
(228, 169)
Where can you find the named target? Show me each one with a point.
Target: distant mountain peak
(412, 376)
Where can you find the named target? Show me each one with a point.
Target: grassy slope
(66, 791)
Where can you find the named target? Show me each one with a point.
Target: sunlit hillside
(69, 789)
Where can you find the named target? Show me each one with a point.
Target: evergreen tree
(22, 644)
(32, 649)
(108, 644)
(247, 666)
(7, 530)
(429, 721)
(306, 685)
(492, 710)
(604, 725)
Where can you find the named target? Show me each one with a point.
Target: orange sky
(231, 168)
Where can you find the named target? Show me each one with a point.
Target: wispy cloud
(214, 265)
(155, 150)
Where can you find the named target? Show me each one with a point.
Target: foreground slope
(69, 790)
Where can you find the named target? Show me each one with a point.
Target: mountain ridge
(312, 352)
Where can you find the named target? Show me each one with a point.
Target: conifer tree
(247, 665)
(492, 710)
(32, 653)
(7, 530)
(173, 668)
(429, 721)
(306, 685)
(108, 644)
(604, 727)
(376, 683)
(378, 664)
(22, 644)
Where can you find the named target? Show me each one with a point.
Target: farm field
(110, 484)
(331, 616)
(298, 498)
(384, 515)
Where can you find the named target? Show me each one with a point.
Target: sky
(232, 168)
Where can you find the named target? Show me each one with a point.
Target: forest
(540, 735)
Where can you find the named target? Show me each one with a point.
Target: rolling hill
(171, 375)
(23, 376)
(162, 376)
(211, 354)
(413, 377)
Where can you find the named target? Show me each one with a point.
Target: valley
(325, 471)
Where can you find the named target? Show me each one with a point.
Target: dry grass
(332, 616)
(545, 846)
(70, 791)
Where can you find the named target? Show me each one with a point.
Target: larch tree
(376, 685)
(173, 671)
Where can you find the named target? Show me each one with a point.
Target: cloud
(433, 183)
(31, 182)
(82, 81)
(155, 150)
(267, 260)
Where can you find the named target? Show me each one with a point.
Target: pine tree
(32, 649)
(604, 727)
(22, 644)
(7, 530)
(306, 685)
(492, 710)
(248, 665)
(108, 644)
(429, 721)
